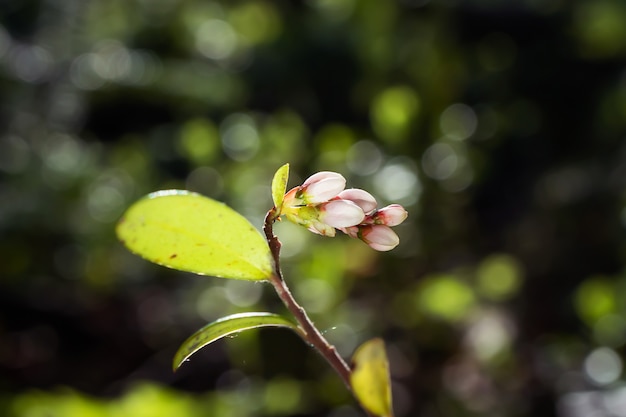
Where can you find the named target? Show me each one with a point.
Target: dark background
(499, 125)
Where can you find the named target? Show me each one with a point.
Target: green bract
(190, 232)
(225, 326)
(279, 186)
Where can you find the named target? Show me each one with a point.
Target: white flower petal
(341, 213)
(361, 198)
(323, 190)
(322, 175)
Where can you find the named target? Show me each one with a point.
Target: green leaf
(190, 232)
(370, 378)
(279, 186)
(225, 326)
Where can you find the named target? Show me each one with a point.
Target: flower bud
(341, 213)
(321, 187)
(379, 237)
(391, 215)
(322, 205)
(361, 198)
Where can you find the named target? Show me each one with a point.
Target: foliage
(226, 326)
(189, 232)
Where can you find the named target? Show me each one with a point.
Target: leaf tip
(177, 363)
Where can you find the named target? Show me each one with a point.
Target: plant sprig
(189, 232)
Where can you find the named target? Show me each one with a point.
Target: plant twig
(310, 334)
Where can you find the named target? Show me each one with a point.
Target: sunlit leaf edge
(225, 326)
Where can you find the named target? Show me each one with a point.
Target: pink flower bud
(379, 237)
(341, 213)
(361, 198)
(322, 205)
(391, 215)
(321, 187)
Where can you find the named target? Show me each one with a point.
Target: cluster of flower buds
(323, 205)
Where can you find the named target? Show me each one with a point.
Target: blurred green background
(499, 124)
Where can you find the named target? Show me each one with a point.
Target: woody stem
(310, 333)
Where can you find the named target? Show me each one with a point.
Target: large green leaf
(190, 232)
(279, 186)
(370, 378)
(225, 326)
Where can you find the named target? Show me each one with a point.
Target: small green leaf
(279, 186)
(225, 326)
(370, 378)
(190, 232)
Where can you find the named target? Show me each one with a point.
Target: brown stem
(311, 334)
